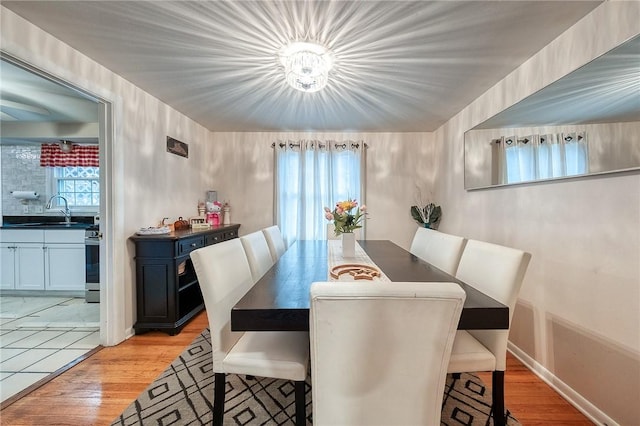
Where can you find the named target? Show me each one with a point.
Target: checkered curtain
(81, 156)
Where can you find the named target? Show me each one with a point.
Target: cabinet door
(65, 267)
(29, 267)
(7, 266)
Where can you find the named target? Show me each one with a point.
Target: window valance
(80, 156)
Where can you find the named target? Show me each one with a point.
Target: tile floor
(39, 335)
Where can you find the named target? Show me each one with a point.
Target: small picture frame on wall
(174, 146)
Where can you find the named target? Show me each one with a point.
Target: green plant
(427, 216)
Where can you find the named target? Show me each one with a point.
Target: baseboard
(129, 333)
(592, 412)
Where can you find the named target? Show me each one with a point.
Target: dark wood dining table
(279, 301)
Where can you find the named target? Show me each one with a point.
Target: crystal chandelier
(306, 65)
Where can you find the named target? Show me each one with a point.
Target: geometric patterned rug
(183, 395)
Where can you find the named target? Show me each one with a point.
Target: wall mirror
(586, 123)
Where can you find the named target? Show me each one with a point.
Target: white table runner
(361, 258)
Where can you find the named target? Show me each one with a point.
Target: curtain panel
(310, 175)
(80, 156)
(535, 157)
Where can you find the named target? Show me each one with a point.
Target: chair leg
(218, 398)
(497, 391)
(455, 376)
(301, 410)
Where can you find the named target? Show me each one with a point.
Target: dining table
(279, 300)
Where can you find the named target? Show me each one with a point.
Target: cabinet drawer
(69, 236)
(188, 245)
(214, 238)
(21, 235)
(229, 235)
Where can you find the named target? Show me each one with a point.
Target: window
(79, 185)
(543, 156)
(311, 175)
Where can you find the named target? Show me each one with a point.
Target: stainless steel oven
(92, 264)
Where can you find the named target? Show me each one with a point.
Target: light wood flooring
(97, 390)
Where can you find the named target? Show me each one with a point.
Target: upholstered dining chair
(258, 254)
(379, 351)
(438, 248)
(497, 271)
(224, 276)
(275, 241)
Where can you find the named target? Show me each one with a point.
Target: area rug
(183, 395)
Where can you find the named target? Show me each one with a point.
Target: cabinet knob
(193, 244)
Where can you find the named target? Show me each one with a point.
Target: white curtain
(538, 157)
(311, 175)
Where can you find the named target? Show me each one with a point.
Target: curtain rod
(321, 145)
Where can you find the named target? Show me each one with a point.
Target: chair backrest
(498, 272)
(380, 351)
(258, 254)
(439, 249)
(275, 241)
(224, 276)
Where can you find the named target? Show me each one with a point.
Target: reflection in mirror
(588, 122)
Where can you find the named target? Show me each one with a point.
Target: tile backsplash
(21, 171)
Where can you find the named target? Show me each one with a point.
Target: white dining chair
(224, 276)
(498, 272)
(438, 248)
(379, 351)
(258, 254)
(275, 241)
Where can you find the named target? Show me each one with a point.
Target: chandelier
(306, 65)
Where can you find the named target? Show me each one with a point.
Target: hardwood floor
(97, 390)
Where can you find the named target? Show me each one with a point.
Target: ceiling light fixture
(306, 65)
(66, 146)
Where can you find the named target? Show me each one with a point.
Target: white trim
(592, 412)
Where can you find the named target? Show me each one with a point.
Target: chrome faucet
(66, 211)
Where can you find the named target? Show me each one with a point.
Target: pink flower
(326, 209)
(328, 215)
(363, 208)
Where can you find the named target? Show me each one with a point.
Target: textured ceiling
(400, 66)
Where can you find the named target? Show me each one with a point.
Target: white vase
(348, 244)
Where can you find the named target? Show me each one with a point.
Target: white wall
(147, 182)
(578, 317)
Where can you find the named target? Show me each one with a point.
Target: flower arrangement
(344, 220)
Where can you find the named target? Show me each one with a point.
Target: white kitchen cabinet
(22, 259)
(64, 267)
(42, 259)
(29, 266)
(7, 266)
(64, 259)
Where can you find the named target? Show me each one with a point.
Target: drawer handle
(193, 244)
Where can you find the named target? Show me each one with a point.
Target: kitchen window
(79, 185)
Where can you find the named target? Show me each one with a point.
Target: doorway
(58, 317)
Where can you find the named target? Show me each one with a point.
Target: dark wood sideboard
(167, 290)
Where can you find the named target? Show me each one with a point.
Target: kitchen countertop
(47, 222)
